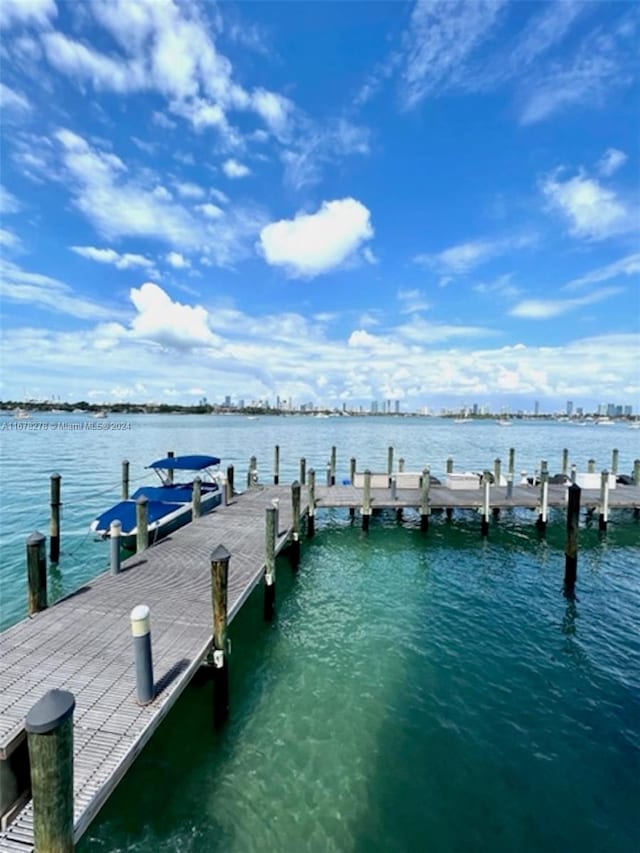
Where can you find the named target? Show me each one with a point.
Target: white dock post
(141, 633)
(486, 501)
(270, 529)
(544, 496)
(311, 518)
(603, 518)
(425, 509)
(197, 498)
(366, 501)
(115, 531)
(142, 523)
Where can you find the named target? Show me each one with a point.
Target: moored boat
(170, 504)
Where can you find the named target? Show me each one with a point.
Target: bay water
(416, 692)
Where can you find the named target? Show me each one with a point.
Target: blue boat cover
(170, 494)
(125, 512)
(186, 463)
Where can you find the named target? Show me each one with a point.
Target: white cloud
(318, 145)
(211, 211)
(8, 239)
(464, 257)
(629, 265)
(36, 12)
(105, 73)
(190, 190)
(8, 202)
(177, 261)
(542, 309)
(233, 169)
(11, 100)
(593, 211)
(276, 110)
(611, 161)
(161, 320)
(314, 243)
(412, 301)
(124, 261)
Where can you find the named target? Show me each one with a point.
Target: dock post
(115, 531)
(252, 473)
(54, 529)
(603, 517)
(394, 488)
(400, 465)
(425, 509)
(450, 465)
(170, 455)
(449, 513)
(329, 476)
(49, 727)
(333, 467)
(270, 530)
(276, 465)
(565, 462)
(591, 466)
(366, 501)
(311, 521)
(571, 546)
(142, 523)
(125, 479)
(573, 474)
(219, 576)
(295, 507)
(229, 485)
(614, 462)
(303, 471)
(512, 462)
(486, 486)
(497, 471)
(541, 524)
(352, 470)
(141, 632)
(636, 472)
(36, 573)
(197, 498)
(390, 461)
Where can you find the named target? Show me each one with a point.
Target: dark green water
(416, 693)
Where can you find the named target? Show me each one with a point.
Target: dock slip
(83, 643)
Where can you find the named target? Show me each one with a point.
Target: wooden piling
(36, 573)
(591, 466)
(425, 509)
(295, 512)
(497, 471)
(115, 531)
(270, 562)
(303, 471)
(390, 461)
(614, 462)
(571, 546)
(142, 523)
(333, 467)
(449, 513)
(573, 474)
(400, 465)
(311, 520)
(565, 462)
(54, 528)
(276, 465)
(352, 470)
(170, 455)
(125, 480)
(636, 472)
(486, 501)
(366, 500)
(252, 473)
(603, 517)
(449, 465)
(219, 578)
(197, 498)
(49, 727)
(544, 497)
(230, 473)
(512, 462)
(328, 474)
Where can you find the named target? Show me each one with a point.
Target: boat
(462, 420)
(101, 414)
(503, 423)
(21, 414)
(170, 505)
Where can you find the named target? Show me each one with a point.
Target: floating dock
(83, 643)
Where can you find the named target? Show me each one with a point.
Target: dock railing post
(328, 477)
(142, 523)
(295, 507)
(229, 484)
(332, 482)
(571, 546)
(303, 471)
(450, 465)
(544, 497)
(36, 572)
(486, 500)
(141, 632)
(425, 509)
(366, 501)
(390, 461)
(591, 466)
(497, 471)
(219, 579)
(636, 472)
(54, 528)
(125, 479)
(565, 462)
(400, 465)
(170, 455)
(197, 497)
(352, 470)
(276, 465)
(49, 727)
(614, 462)
(311, 521)
(603, 517)
(270, 562)
(115, 531)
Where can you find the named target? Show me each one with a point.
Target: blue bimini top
(186, 463)
(125, 512)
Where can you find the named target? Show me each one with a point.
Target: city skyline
(432, 202)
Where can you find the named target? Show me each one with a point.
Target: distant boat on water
(101, 414)
(503, 422)
(21, 414)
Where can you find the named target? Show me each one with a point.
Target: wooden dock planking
(83, 643)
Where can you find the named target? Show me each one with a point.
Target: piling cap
(36, 538)
(50, 712)
(220, 554)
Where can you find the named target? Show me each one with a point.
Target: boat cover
(186, 463)
(125, 512)
(171, 493)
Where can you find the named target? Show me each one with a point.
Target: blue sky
(434, 202)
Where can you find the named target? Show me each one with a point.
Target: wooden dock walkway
(83, 643)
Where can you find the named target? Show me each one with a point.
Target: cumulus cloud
(314, 243)
(177, 261)
(38, 12)
(233, 169)
(161, 320)
(611, 161)
(592, 210)
(124, 261)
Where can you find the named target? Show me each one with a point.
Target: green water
(415, 693)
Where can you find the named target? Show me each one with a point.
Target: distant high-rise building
(227, 400)
(536, 408)
(628, 411)
(579, 411)
(397, 407)
(611, 410)
(569, 408)
(374, 407)
(241, 404)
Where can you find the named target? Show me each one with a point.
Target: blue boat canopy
(186, 463)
